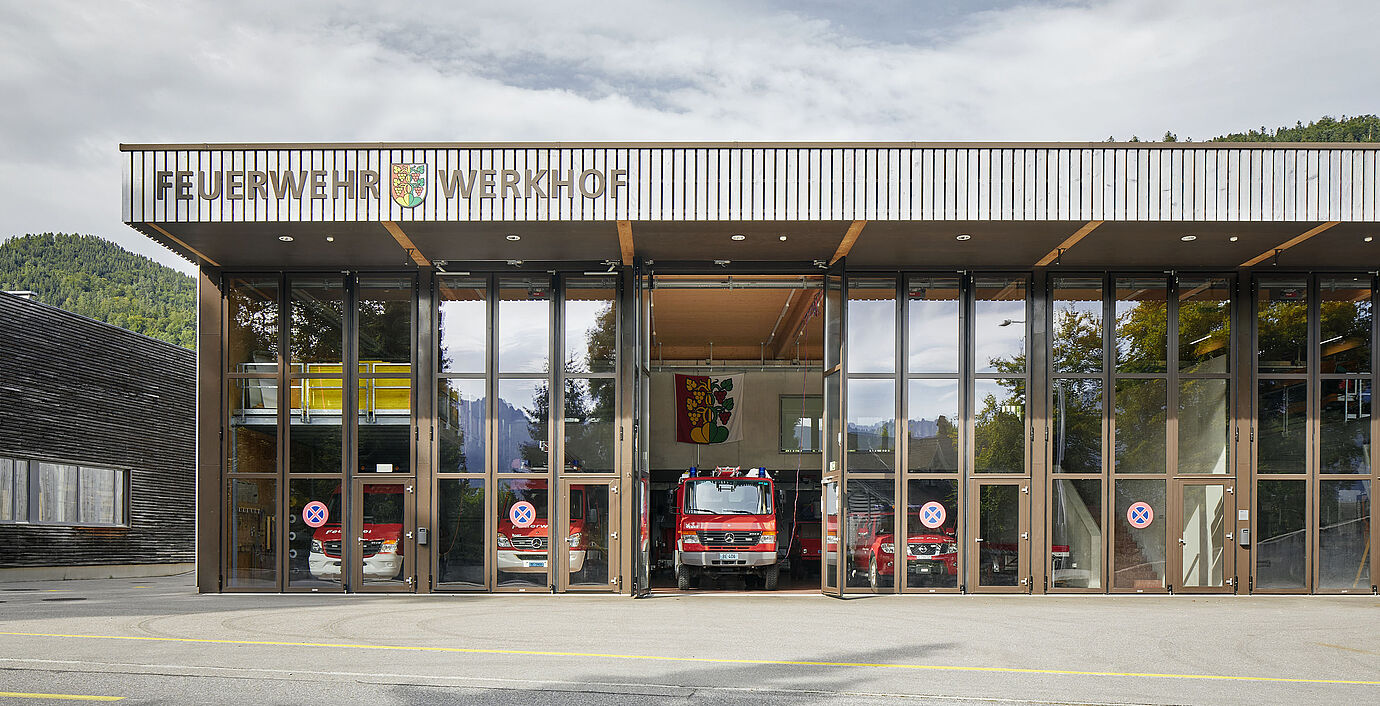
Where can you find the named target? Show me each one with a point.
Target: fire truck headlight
(390, 546)
(689, 538)
(574, 540)
(316, 547)
(769, 538)
(504, 542)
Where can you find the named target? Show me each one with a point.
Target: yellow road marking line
(68, 697)
(704, 660)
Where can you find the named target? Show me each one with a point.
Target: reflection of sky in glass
(870, 403)
(871, 336)
(582, 319)
(933, 336)
(461, 416)
(462, 336)
(520, 440)
(929, 400)
(991, 340)
(523, 336)
(1003, 391)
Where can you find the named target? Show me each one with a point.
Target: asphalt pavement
(157, 641)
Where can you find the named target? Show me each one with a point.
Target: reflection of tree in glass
(1346, 336)
(999, 427)
(1142, 332)
(315, 322)
(385, 330)
(1078, 425)
(1077, 341)
(253, 324)
(1282, 334)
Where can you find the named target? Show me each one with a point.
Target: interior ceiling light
(737, 236)
(1368, 238)
(783, 238)
(330, 238)
(1188, 238)
(285, 238)
(1234, 238)
(513, 236)
(963, 236)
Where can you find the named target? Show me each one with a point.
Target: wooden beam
(189, 248)
(625, 241)
(794, 322)
(1289, 243)
(850, 237)
(1069, 242)
(406, 244)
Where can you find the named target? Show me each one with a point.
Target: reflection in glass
(251, 345)
(1344, 535)
(999, 321)
(591, 326)
(933, 325)
(382, 547)
(524, 324)
(801, 423)
(1204, 538)
(97, 487)
(523, 546)
(14, 490)
(1076, 336)
(315, 447)
(1204, 324)
(385, 448)
(833, 391)
(999, 426)
(253, 425)
(1142, 325)
(1204, 426)
(933, 426)
(57, 493)
(1138, 554)
(1141, 425)
(1344, 426)
(871, 425)
(522, 414)
(460, 538)
(1077, 425)
(315, 554)
(588, 541)
(999, 529)
(252, 549)
(463, 324)
(1281, 542)
(833, 320)
(1282, 325)
(385, 321)
(460, 425)
(590, 433)
(869, 533)
(1283, 423)
(1076, 539)
(932, 544)
(316, 319)
(830, 499)
(871, 325)
(1346, 324)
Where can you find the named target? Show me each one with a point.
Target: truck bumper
(722, 560)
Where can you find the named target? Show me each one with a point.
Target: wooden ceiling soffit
(406, 243)
(793, 321)
(177, 240)
(849, 238)
(625, 241)
(1272, 252)
(1069, 242)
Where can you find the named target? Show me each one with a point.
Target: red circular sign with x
(315, 513)
(1140, 515)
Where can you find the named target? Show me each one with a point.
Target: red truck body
(725, 523)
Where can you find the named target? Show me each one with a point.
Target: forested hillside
(94, 277)
(1362, 128)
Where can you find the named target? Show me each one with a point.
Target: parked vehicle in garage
(725, 525)
(381, 537)
(928, 552)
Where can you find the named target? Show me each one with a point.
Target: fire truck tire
(771, 576)
(682, 578)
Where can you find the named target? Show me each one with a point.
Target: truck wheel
(771, 576)
(873, 579)
(682, 578)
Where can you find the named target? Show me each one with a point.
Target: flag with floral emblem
(707, 409)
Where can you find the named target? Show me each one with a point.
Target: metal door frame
(561, 564)
(406, 541)
(971, 570)
(1175, 543)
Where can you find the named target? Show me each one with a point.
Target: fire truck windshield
(719, 496)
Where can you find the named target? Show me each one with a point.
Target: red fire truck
(726, 524)
(523, 550)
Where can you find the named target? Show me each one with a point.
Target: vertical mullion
(900, 513)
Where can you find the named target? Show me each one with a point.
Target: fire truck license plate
(728, 557)
(534, 564)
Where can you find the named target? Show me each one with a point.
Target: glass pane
(833, 393)
(252, 311)
(522, 546)
(7, 490)
(253, 413)
(385, 448)
(1204, 426)
(830, 500)
(252, 560)
(1076, 539)
(1344, 535)
(1346, 324)
(590, 428)
(1076, 335)
(1077, 425)
(999, 316)
(870, 533)
(310, 398)
(97, 496)
(933, 325)
(1138, 553)
(463, 324)
(1141, 429)
(385, 400)
(314, 553)
(801, 423)
(522, 417)
(589, 542)
(524, 324)
(57, 493)
(1204, 324)
(1142, 324)
(999, 434)
(871, 325)
(871, 425)
(315, 446)
(833, 320)
(1282, 325)
(932, 544)
(999, 529)
(381, 549)
(460, 540)
(460, 426)
(315, 329)
(591, 326)
(1204, 535)
(1281, 542)
(1283, 420)
(1344, 426)
(385, 323)
(932, 424)
(21, 492)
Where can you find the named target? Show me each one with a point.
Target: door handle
(1182, 543)
(977, 539)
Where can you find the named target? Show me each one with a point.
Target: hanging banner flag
(707, 409)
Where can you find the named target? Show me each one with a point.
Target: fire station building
(1027, 368)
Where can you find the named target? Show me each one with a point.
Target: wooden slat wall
(710, 183)
(78, 391)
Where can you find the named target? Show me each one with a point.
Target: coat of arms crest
(408, 184)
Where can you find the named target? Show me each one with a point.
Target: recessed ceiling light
(783, 238)
(963, 236)
(330, 238)
(513, 236)
(1188, 238)
(285, 238)
(1368, 238)
(1234, 238)
(737, 236)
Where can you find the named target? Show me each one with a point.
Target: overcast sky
(81, 77)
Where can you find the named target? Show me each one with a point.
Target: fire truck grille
(529, 543)
(332, 549)
(730, 539)
(371, 547)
